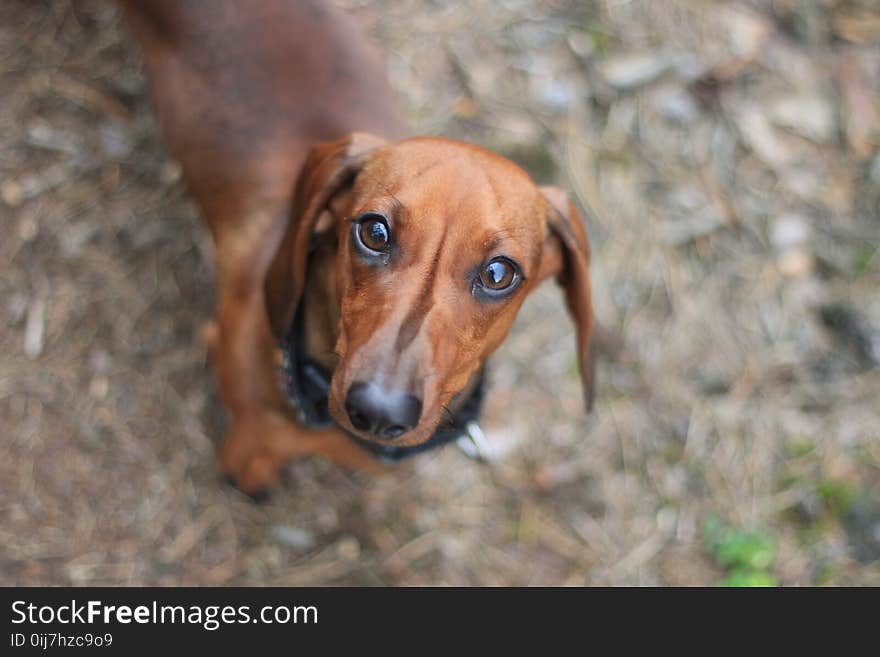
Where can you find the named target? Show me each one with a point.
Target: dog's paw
(255, 450)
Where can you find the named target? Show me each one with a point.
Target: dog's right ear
(568, 240)
(328, 169)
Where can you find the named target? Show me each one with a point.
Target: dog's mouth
(308, 385)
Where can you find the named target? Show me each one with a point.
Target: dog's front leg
(262, 442)
(264, 436)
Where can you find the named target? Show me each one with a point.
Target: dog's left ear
(567, 256)
(329, 168)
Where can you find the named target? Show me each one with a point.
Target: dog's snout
(384, 414)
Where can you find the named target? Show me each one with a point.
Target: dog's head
(439, 242)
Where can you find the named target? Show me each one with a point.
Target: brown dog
(388, 271)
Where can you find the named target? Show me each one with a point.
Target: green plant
(748, 556)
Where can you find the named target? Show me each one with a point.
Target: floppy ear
(328, 169)
(567, 256)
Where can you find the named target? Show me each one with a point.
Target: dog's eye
(372, 233)
(498, 277)
(375, 234)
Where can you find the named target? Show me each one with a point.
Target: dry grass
(729, 155)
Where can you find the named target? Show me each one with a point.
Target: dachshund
(364, 277)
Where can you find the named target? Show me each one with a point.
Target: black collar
(308, 384)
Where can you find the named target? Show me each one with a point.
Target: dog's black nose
(384, 414)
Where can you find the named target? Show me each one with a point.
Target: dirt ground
(729, 153)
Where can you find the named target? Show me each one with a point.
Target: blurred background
(728, 155)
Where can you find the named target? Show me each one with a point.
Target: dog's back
(243, 89)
